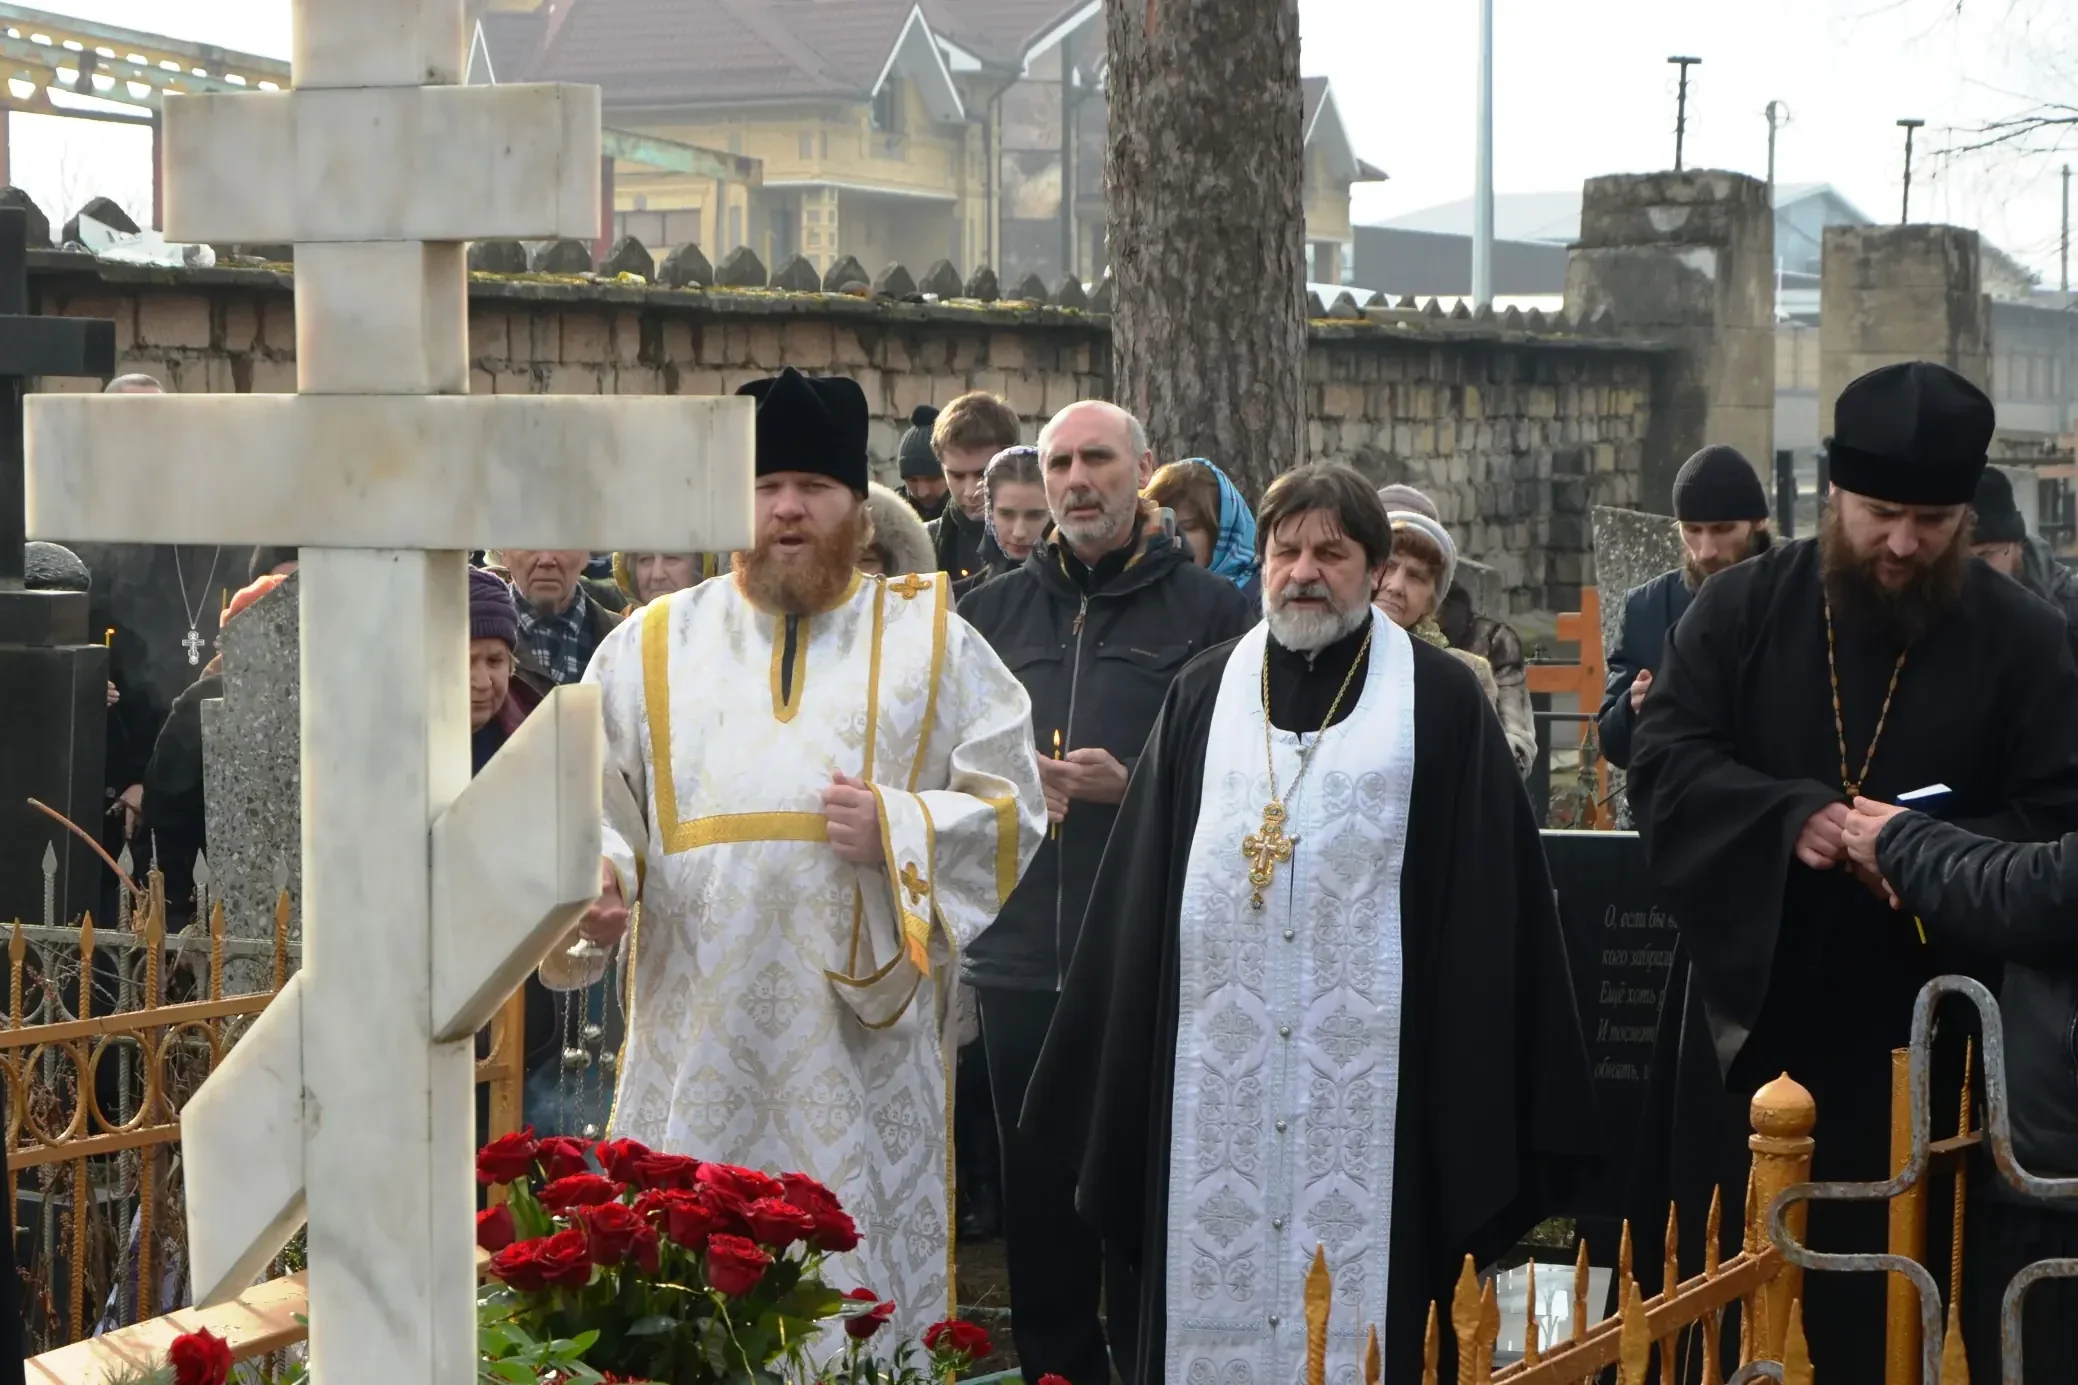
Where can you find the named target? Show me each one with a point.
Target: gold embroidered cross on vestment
(908, 586)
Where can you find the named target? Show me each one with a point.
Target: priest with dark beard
(1877, 660)
(1320, 997)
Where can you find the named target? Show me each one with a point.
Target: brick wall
(1515, 425)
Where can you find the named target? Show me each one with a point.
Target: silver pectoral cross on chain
(194, 644)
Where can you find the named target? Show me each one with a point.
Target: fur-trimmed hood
(897, 529)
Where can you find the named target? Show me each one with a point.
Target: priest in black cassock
(1877, 659)
(1321, 996)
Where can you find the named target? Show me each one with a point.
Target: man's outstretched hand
(606, 921)
(854, 818)
(1819, 844)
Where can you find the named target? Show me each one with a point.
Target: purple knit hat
(492, 614)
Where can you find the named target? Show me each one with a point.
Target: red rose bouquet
(687, 1272)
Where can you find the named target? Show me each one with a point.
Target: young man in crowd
(1723, 515)
(923, 480)
(1094, 625)
(971, 430)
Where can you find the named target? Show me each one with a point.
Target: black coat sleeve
(2016, 901)
(1719, 836)
(1616, 719)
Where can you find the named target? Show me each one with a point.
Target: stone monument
(1631, 548)
(53, 669)
(252, 780)
(428, 897)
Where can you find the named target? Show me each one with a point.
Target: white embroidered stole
(1287, 1069)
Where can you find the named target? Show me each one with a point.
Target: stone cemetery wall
(1516, 424)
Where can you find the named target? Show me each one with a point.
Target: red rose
(739, 1186)
(955, 1336)
(834, 1229)
(199, 1358)
(579, 1190)
(618, 1158)
(507, 1158)
(687, 1218)
(494, 1229)
(777, 1223)
(666, 1171)
(734, 1265)
(861, 1326)
(562, 1157)
(611, 1230)
(561, 1260)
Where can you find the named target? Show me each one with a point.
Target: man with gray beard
(1321, 996)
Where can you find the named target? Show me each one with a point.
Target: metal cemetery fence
(109, 1032)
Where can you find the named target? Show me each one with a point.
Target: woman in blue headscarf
(1212, 517)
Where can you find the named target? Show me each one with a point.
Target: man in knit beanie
(1998, 534)
(923, 479)
(1723, 515)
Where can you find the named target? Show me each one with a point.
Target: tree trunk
(1208, 231)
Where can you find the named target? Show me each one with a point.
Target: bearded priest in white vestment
(820, 787)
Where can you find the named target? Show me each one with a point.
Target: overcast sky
(1582, 87)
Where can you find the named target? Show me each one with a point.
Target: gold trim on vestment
(1006, 846)
(916, 942)
(656, 692)
(728, 829)
(873, 678)
(923, 733)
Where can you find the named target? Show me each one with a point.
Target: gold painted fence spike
(1464, 1323)
(1320, 1289)
(1374, 1360)
(1431, 1348)
(1633, 1338)
(1580, 1282)
(1712, 1230)
(1530, 1354)
(1673, 1249)
(1796, 1353)
(1623, 1252)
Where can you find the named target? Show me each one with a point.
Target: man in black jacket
(971, 430)
(2017, 903)
(1723, 514)
(1095, 624)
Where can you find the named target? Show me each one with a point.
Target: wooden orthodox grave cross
(427, 898)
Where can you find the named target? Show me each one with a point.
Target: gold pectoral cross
(1264, 849)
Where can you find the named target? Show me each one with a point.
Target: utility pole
(1483, 166)
(2064, 244)
(1681, 107)
(1070, 174)
(1777, 113)
(1905, 210)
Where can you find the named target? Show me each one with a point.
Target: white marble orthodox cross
(427, 897)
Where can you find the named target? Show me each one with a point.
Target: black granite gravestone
(53, 671)
(1621, 948)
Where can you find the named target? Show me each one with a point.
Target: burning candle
(1055, 830)
(108, 638)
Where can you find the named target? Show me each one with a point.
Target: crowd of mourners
(1105, 867)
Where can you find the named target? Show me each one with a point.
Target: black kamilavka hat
(815, 424)
(1911, 434)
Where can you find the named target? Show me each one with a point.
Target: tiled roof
(695, 52)
(1000, 32)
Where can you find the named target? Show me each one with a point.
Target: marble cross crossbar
(656, 473)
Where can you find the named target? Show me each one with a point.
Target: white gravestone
(427, 898)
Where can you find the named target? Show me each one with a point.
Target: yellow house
(889, 130)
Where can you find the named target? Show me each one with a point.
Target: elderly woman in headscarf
(1213, 519)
